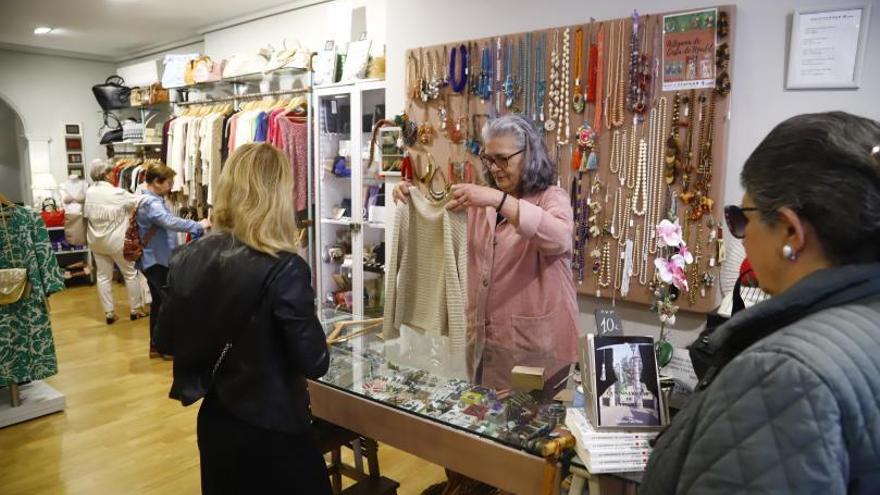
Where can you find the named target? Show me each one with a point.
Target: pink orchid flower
(685, 254)
(668, 233)
(671, 271)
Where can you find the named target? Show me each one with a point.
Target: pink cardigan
(522, 303)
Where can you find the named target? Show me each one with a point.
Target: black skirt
(239, 458)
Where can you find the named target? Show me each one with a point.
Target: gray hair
(99, 170)
(539, 171)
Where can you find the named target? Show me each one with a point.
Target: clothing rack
(214, 101)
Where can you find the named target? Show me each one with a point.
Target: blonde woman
(240, 317)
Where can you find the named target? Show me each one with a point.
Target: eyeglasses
(737, 219)
(499, 161)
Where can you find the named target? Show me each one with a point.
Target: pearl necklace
(605, 269)
(614, 163)
(657, 168)
(623, 158)
(633, 156)
(564, 113)
(551, 122)
(616, 215)
(640, 193)
(627, 223)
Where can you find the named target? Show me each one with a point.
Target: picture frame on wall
(827, 48)
(72, 129)
(622, 383)
(73, 144)
(74, 158)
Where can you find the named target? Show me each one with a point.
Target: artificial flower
(668, 233)
(671, 271)
(683, 251)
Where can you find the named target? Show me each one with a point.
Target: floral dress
(27, 350)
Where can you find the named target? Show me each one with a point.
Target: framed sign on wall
(827, 48)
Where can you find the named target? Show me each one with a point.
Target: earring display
(637, 107)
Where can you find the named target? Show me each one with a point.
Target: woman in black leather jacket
(240, 317)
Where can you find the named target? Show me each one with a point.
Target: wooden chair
(332, 438)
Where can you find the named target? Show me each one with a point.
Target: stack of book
(608, 451)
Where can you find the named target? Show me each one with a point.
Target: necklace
(622, 158)
(458, 82)
(597, 87)
(540, 84)
(643, 259)
(640, 193)
(414, 81)
(472, 69)
(527, 75)
(634, 64)
(434, 81)
(693, 272)
(626, 223)
(615, 231)
(581, 238)
(520, 75)
(673, 144)
(656, 169)
(508, 78)
(551, 122)
(562, 106)
(632, 167)
(604, 269)
(690, 111)
(444, 81)
(637, 250)
(614, 162)
(577, 102)
(619, 95)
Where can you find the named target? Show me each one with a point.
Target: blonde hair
(254, 199)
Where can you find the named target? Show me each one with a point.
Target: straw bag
(14, 282)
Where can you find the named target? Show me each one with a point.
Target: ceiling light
(42, 30)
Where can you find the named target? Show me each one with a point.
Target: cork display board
(637, 126)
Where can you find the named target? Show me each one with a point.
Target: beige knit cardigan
(426, 277)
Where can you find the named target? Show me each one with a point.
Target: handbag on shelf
(204, 69)
(174, 74)
(112, 94)
(157, 94)
(140, 96)
(14, 282)
(52, 215)
(111, 131)
(132, 130)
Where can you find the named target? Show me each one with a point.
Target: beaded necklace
(508, 79)
(540, 83)
(616, 112)
(499, 77)
(605, 269)
(577, 102)
(520, 76)
(459, 83)
(632, 166)
(614, 162)
(562, 134)
(615, 216)
(527, 74)
(551, 122)
(623, 158)
(640, 193)
(596, 87)
(633, 96)
(656, 170)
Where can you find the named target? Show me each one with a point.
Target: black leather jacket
(219, 291)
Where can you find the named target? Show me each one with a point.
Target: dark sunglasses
(737, 219)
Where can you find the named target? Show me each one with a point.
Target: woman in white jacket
(107, 210)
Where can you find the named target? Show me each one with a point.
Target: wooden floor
(120, 433)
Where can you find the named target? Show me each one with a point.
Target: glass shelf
(254, 77)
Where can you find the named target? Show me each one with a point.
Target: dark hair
(159, 172)
(538, 171)
(825, 167)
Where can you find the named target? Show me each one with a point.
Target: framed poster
(827, 48)
(74, 158)
(689, 41)
(72, 129)
(73, 144)
(622, 382)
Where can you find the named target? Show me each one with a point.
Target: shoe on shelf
(137, 314)
(111, 318)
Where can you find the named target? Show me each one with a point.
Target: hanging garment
(293, 137)
(27, 351)
(426, 282)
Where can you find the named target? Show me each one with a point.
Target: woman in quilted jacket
(789, 402)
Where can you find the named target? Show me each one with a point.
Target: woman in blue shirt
(158, 228)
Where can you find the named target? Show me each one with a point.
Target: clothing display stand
(30, 401)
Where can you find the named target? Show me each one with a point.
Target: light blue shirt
(153, 211)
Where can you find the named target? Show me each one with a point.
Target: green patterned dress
(27, 350)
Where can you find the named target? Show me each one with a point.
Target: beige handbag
(14, 282)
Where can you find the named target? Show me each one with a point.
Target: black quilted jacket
(791, 400)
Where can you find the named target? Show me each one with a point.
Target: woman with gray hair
(107, 210)
(522, 306)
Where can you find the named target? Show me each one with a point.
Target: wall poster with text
(689, 50)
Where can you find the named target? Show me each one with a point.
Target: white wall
(311, 26)
(10, 168)
(49, 91)
(759, 100)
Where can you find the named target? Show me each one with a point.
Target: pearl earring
(788, 253)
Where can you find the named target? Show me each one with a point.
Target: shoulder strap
(279, 264)
(151, 232)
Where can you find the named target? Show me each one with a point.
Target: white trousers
(105, 280)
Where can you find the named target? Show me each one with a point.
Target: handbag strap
(273, 272)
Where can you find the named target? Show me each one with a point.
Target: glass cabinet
(350, 198)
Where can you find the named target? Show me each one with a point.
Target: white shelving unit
(342, 133)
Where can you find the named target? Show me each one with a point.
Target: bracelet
(501, 204)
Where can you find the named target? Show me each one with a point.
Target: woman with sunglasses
(522, 307)
(789, 403)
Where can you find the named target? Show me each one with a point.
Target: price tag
(608, 323)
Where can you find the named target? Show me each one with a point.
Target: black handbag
(113, 93)
(111, 131)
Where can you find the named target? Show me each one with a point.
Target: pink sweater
(522, 303)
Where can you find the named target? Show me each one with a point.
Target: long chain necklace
(472, 68)
(623, 157)
(605, 268)
(637, 250)
(551, 123)
(640, 193)
(694, 271)
(459, 83)
(413, 80)
(626, 222)
(614, 162)
(596, 87)
(690, 111)
(673, 144)
(633, 95)
(610, 84)
(581, 238)
(527, 74)
(657, 179)
(508, 78)
(562, 133)
(540, 83)
(577, 101)
(615, 230)
(500, 74)
(619, 96)
(632, 167)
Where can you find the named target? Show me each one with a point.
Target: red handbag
(52, 215)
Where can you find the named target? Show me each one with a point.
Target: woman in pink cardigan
(522, 304)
